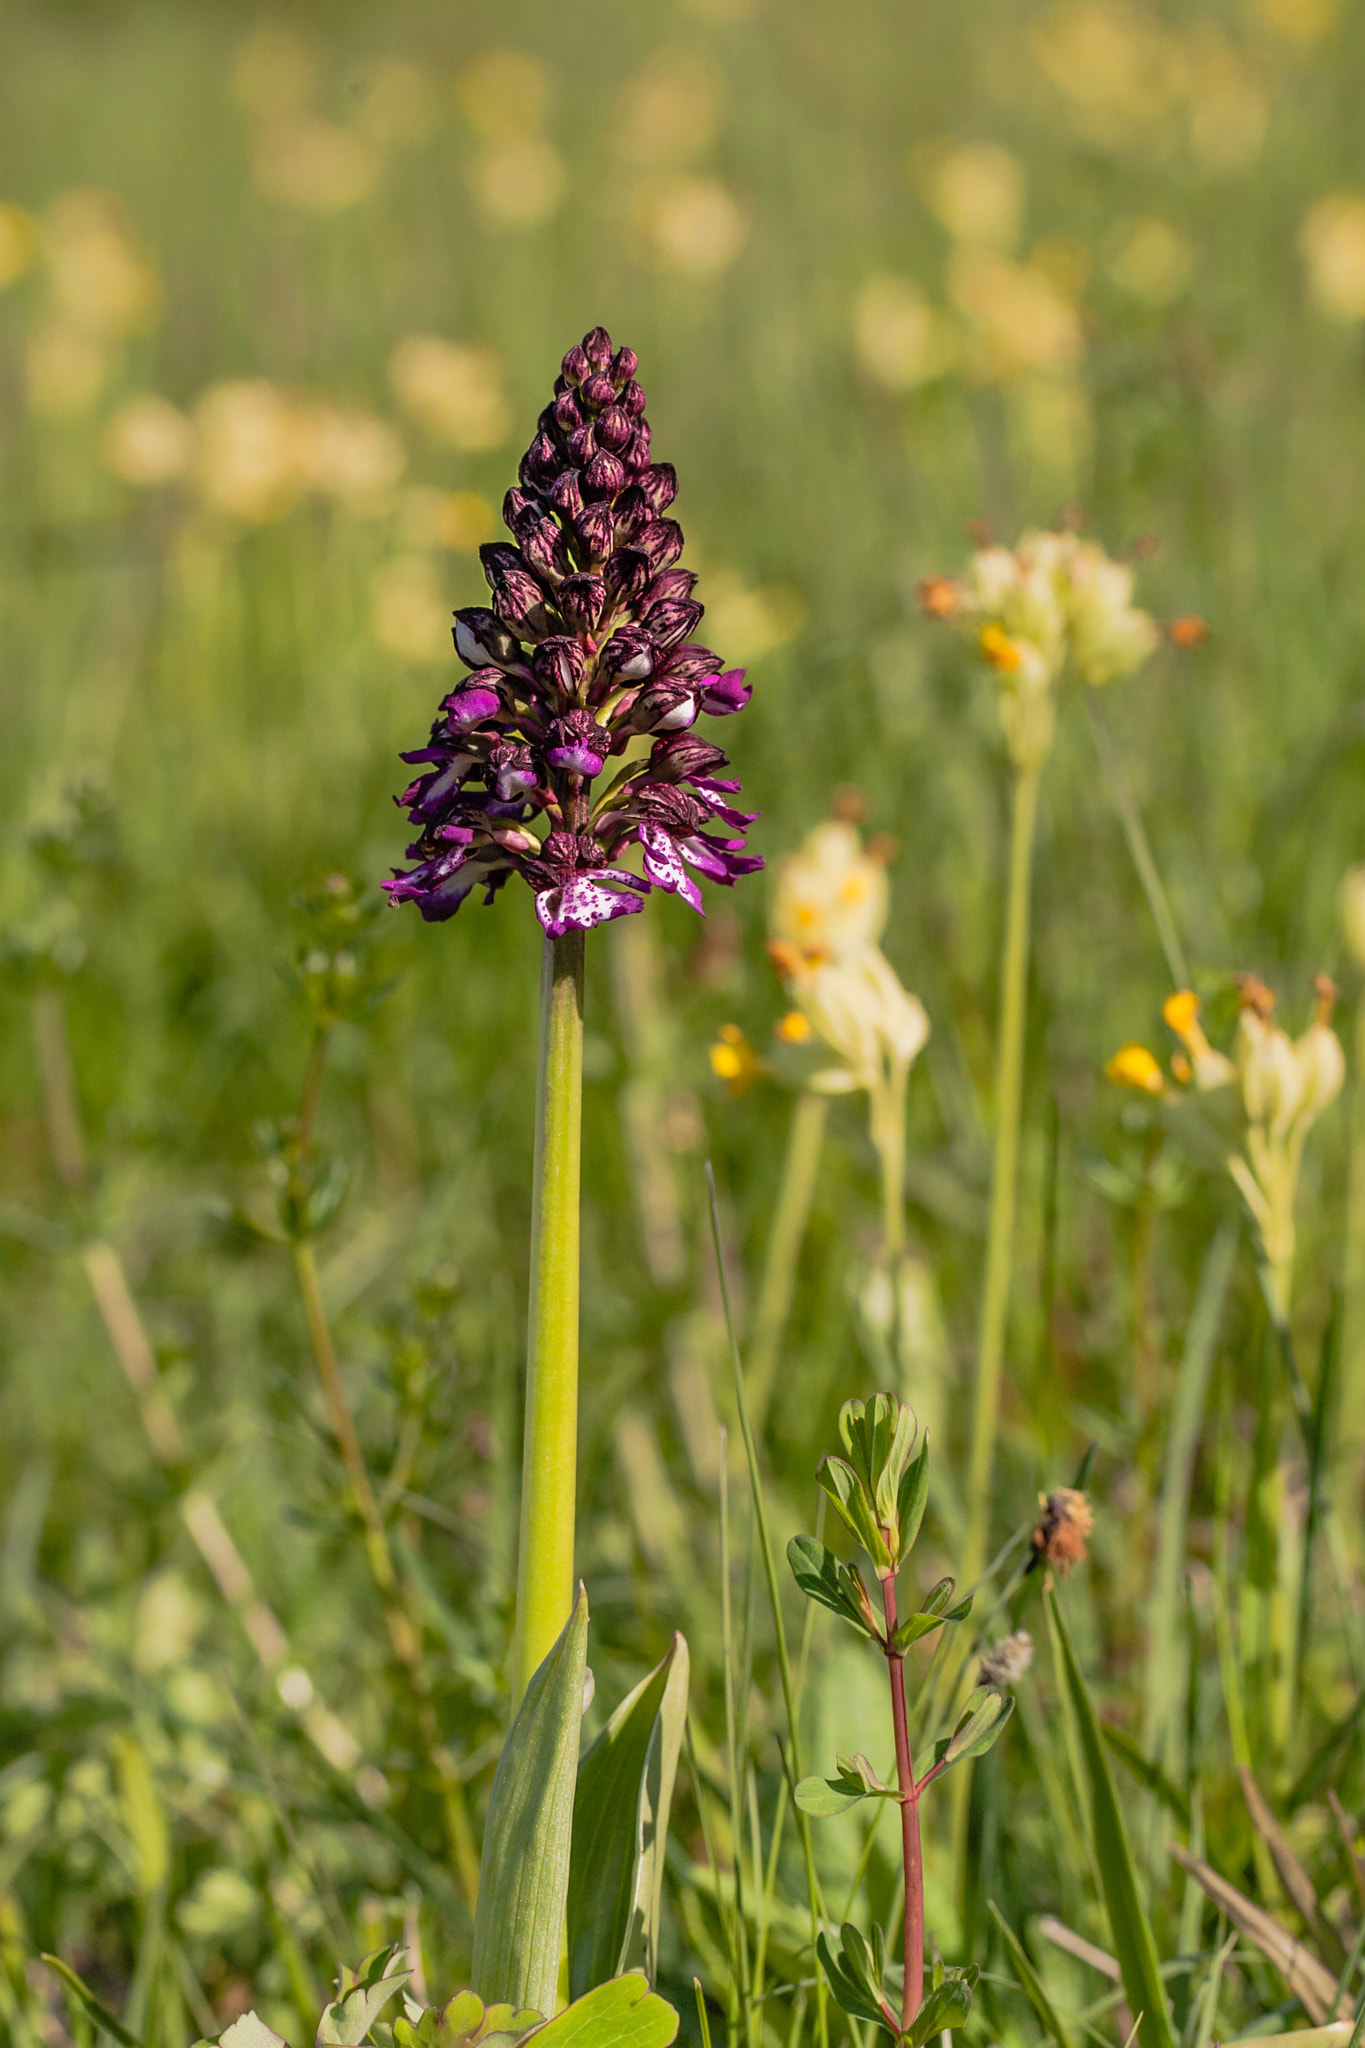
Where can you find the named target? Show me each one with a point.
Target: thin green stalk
(792, 1758)
(888, 1135)
(1139, 846)
(550, 1448)
(735, 1764)
(1351, 1447)
(1009, 1076)
(795, 1195)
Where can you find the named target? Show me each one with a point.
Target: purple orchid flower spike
(586, 647)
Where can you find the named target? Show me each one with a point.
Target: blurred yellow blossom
(901, 340)
(314, 165)
(518, 180)
(1229, 109)
(1153, 262)
(410, 610)
(696, 225)
(832, 896)
(249, 449)
(977, 191)
(733, 1059)
(671, 109)
(66, 368)
(1332, 242)
(18, 243)
(503, 92)
(452, 389)
(275, 72)
(148, 441)
(794, 1028)
(751, 621)
(459, 520)
(1120, 67)
(394, 106)
(351, 456)
(1300, 21)
(1133, 1066)
(101, 280)
(1022, 320)
(1208, 1068)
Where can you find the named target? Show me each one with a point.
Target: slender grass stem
(1139, 846)
(550, 1450)
(912, 1992)
(1352, 1442)
(1009, 1076)
(796, 1193)
(793, 1757)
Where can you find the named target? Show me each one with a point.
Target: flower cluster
(1285, 1084)
(586, 650)
(1053, 601)
(829, 910)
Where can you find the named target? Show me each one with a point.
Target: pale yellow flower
(353, 457)
(1023, 321)
(518, 180)
(250, 448)
(670, 110)
(102, 282)
(832, 897)
(148, 441)
(66, 368)
(1153, 263)
(452, 389)
(314, 165)
(275, 72)
(503, 92)
(394, 103)
(977, 191)
(857, 1005)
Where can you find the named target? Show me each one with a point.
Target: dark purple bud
(576, 365)
(676, 810)
(565, 493)
(726, 693)
(662, 542)
(473, 706)
(691, 663)
(632, 401)
(660, 486)
(664, 707)
(483, 641)
(626, 576)
(580, 600)
(561, 849)
(598, 394)
(628, 656)
(636, 457)
(632, 511)
(613, 430)
(597, 348)
(546, 550)
(603, 477)
(624, 364)
(567, 413)
(520, 513)
(558, 665)
(579, 744)
(669, 587)
(511, 770)
(680, 758)
(541, 462)
(582, 445)
(595, 532)
(519, 601)
(672, 620)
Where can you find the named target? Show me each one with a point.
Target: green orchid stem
(1009, 1075)
(913, 1991)
(795, 1195)
(549, 1467)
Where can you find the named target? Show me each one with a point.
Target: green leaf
(620, 1827)
(361, 1997)
(857, 1990)
(623, 2013)
(250, 2031)
(913, 1627)
(1134, 1944)
(946, 2006)
(823, 1798)
(854, 1508)
(1146, 1772)
(822, 1577)
(464, 2021)
(912, 1499)
(524, 1875)
(979, 1727)
(891, 1470)
(97, 2011)
(1031, 1981)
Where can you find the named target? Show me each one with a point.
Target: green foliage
(361, 1997)
(524, 1876)
(620, 1828)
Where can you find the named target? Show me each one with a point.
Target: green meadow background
(283, 294)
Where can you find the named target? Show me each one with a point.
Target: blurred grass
(723, 186)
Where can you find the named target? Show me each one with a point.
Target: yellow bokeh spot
(999, 650)
(733, 1059)
(794, 1028)
(1181, 1011)
(1132, 1066)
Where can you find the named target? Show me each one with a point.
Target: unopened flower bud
(624, 364)
(483, 641)
(603, 477)
(580, 600)
(598, 393)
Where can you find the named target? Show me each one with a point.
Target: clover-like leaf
(361, 1997)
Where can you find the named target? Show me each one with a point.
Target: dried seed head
(1006, 1661)
(1063, 1528)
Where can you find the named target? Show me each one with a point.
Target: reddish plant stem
(913, 1992)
